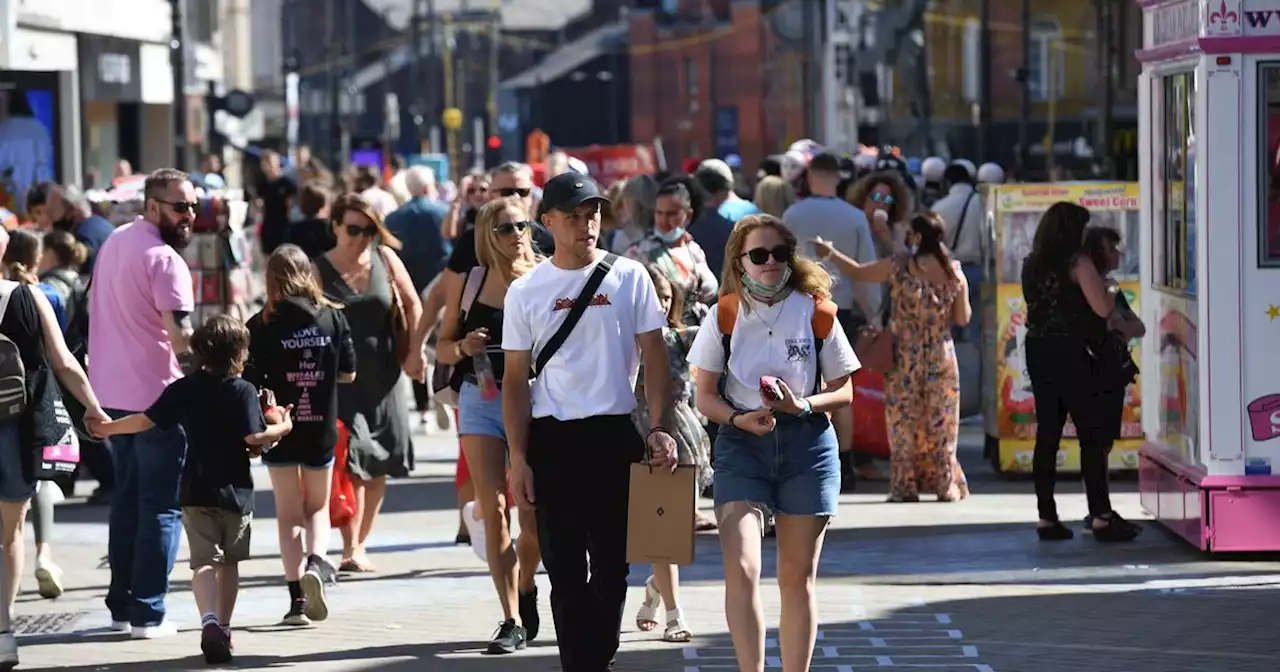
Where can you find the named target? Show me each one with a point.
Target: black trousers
(1066, 382)
(421, 396)
(581, 478)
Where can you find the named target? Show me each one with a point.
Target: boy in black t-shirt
(224, 424)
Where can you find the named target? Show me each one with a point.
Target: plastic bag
(342, 496)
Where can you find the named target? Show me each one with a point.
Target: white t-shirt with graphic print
(775, 341)
(594, 372)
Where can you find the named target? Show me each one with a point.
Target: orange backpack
(824, 320)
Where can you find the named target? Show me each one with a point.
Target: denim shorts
(792, 471)
(477, 416)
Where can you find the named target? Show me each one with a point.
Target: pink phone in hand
(771, 388)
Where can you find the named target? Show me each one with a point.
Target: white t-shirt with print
(594, 372)
(775, 341)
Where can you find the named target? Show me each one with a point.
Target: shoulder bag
(579, 307)
(443, 386)
(401, 330)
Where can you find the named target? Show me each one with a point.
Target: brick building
(714, 77)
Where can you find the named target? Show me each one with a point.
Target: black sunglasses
(512, 227)
(877, 197)
(522, 192)
(181, 206)
(760, 255)
(355, 230)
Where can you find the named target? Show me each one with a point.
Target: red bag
(870, 432)
(342, 496)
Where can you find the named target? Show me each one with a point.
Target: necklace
(782, 308)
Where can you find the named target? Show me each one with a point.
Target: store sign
(1262, 17)
(1174, 23)
(110, 69)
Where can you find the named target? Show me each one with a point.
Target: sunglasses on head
(522, 192)
(355, 230)
(512, 227)
(877, 197)
(181, 206)
(760, 255)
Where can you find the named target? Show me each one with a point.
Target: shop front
(111, 95)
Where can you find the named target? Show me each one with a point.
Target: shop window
(1046, 71)
(1269, 171)
(1175, 183)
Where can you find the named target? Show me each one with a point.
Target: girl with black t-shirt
(301, 349)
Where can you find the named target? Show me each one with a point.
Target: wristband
(806, 408)
(656, 429)
(457, 350)
(735, 416)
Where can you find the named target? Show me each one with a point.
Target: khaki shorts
(216, 536)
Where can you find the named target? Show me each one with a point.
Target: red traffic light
(494, 142)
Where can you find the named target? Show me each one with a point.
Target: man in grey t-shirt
(825, 215)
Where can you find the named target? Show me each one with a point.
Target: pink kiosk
(1209, 116)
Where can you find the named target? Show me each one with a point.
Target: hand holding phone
(770, 388)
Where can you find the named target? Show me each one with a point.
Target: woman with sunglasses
(776, 452)
(886, 201)
(364, 274)
(471, 329)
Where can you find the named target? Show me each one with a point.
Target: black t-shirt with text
(217, 413)
(297, 352)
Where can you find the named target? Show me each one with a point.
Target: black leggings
(1065, 382)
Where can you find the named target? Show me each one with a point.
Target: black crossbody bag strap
(964, 214)
(579, 307)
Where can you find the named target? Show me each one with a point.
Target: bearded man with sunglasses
(140, 303)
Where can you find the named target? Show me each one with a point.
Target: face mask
(672, 236)
(766, 291)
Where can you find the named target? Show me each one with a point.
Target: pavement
(940, 587)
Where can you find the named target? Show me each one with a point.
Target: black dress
(21, 323)
(372, 407)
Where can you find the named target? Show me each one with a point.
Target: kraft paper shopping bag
(660, 515)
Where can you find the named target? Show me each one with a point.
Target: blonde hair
(289, 274)
(774, 195)
(609, 216)
(492, 255)
(675, 315)
(357, 203)
(807, 276)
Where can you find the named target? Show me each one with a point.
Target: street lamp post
(178, 62)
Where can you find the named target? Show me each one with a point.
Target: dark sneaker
(316, 608)
(297, 615)
(327, 571)
(508, 639)
(529, 613)
(215, 644)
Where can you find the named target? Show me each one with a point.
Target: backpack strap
(824, 320)
(7, 288)
(726, 318)
(471, 288)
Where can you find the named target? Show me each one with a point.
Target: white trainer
(165, 628)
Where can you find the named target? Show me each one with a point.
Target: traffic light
(494, 142)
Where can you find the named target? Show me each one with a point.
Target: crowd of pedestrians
(572, 331)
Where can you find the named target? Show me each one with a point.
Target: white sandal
(647, 615)
(677, 630)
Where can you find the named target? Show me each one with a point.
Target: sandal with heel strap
(677, 631)
(647, 615)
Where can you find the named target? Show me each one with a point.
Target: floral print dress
(691, 439)
(685, 265)
(922, 394)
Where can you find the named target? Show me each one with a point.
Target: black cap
(567, 191)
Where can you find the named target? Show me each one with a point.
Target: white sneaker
(48, 578)
(444, 419)
(121, 626)
(166, 628)
(475, 528)
(8, 651)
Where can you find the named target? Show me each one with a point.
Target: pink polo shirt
(137, 278)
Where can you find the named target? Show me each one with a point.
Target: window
(1045, 69)
(1175, 159)
(691, 84)
(971, 60)
(1269, 169)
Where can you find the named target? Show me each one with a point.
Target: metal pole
(495, 35)
(446, 59)
(348, 71)
(335, 99)
(1107, 126)
(1024, 121)
(415, 101)
(984, 109)
(178, 62)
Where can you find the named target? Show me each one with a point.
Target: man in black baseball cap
(571, 198)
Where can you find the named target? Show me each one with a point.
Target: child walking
(300, 348)
(224, 424)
